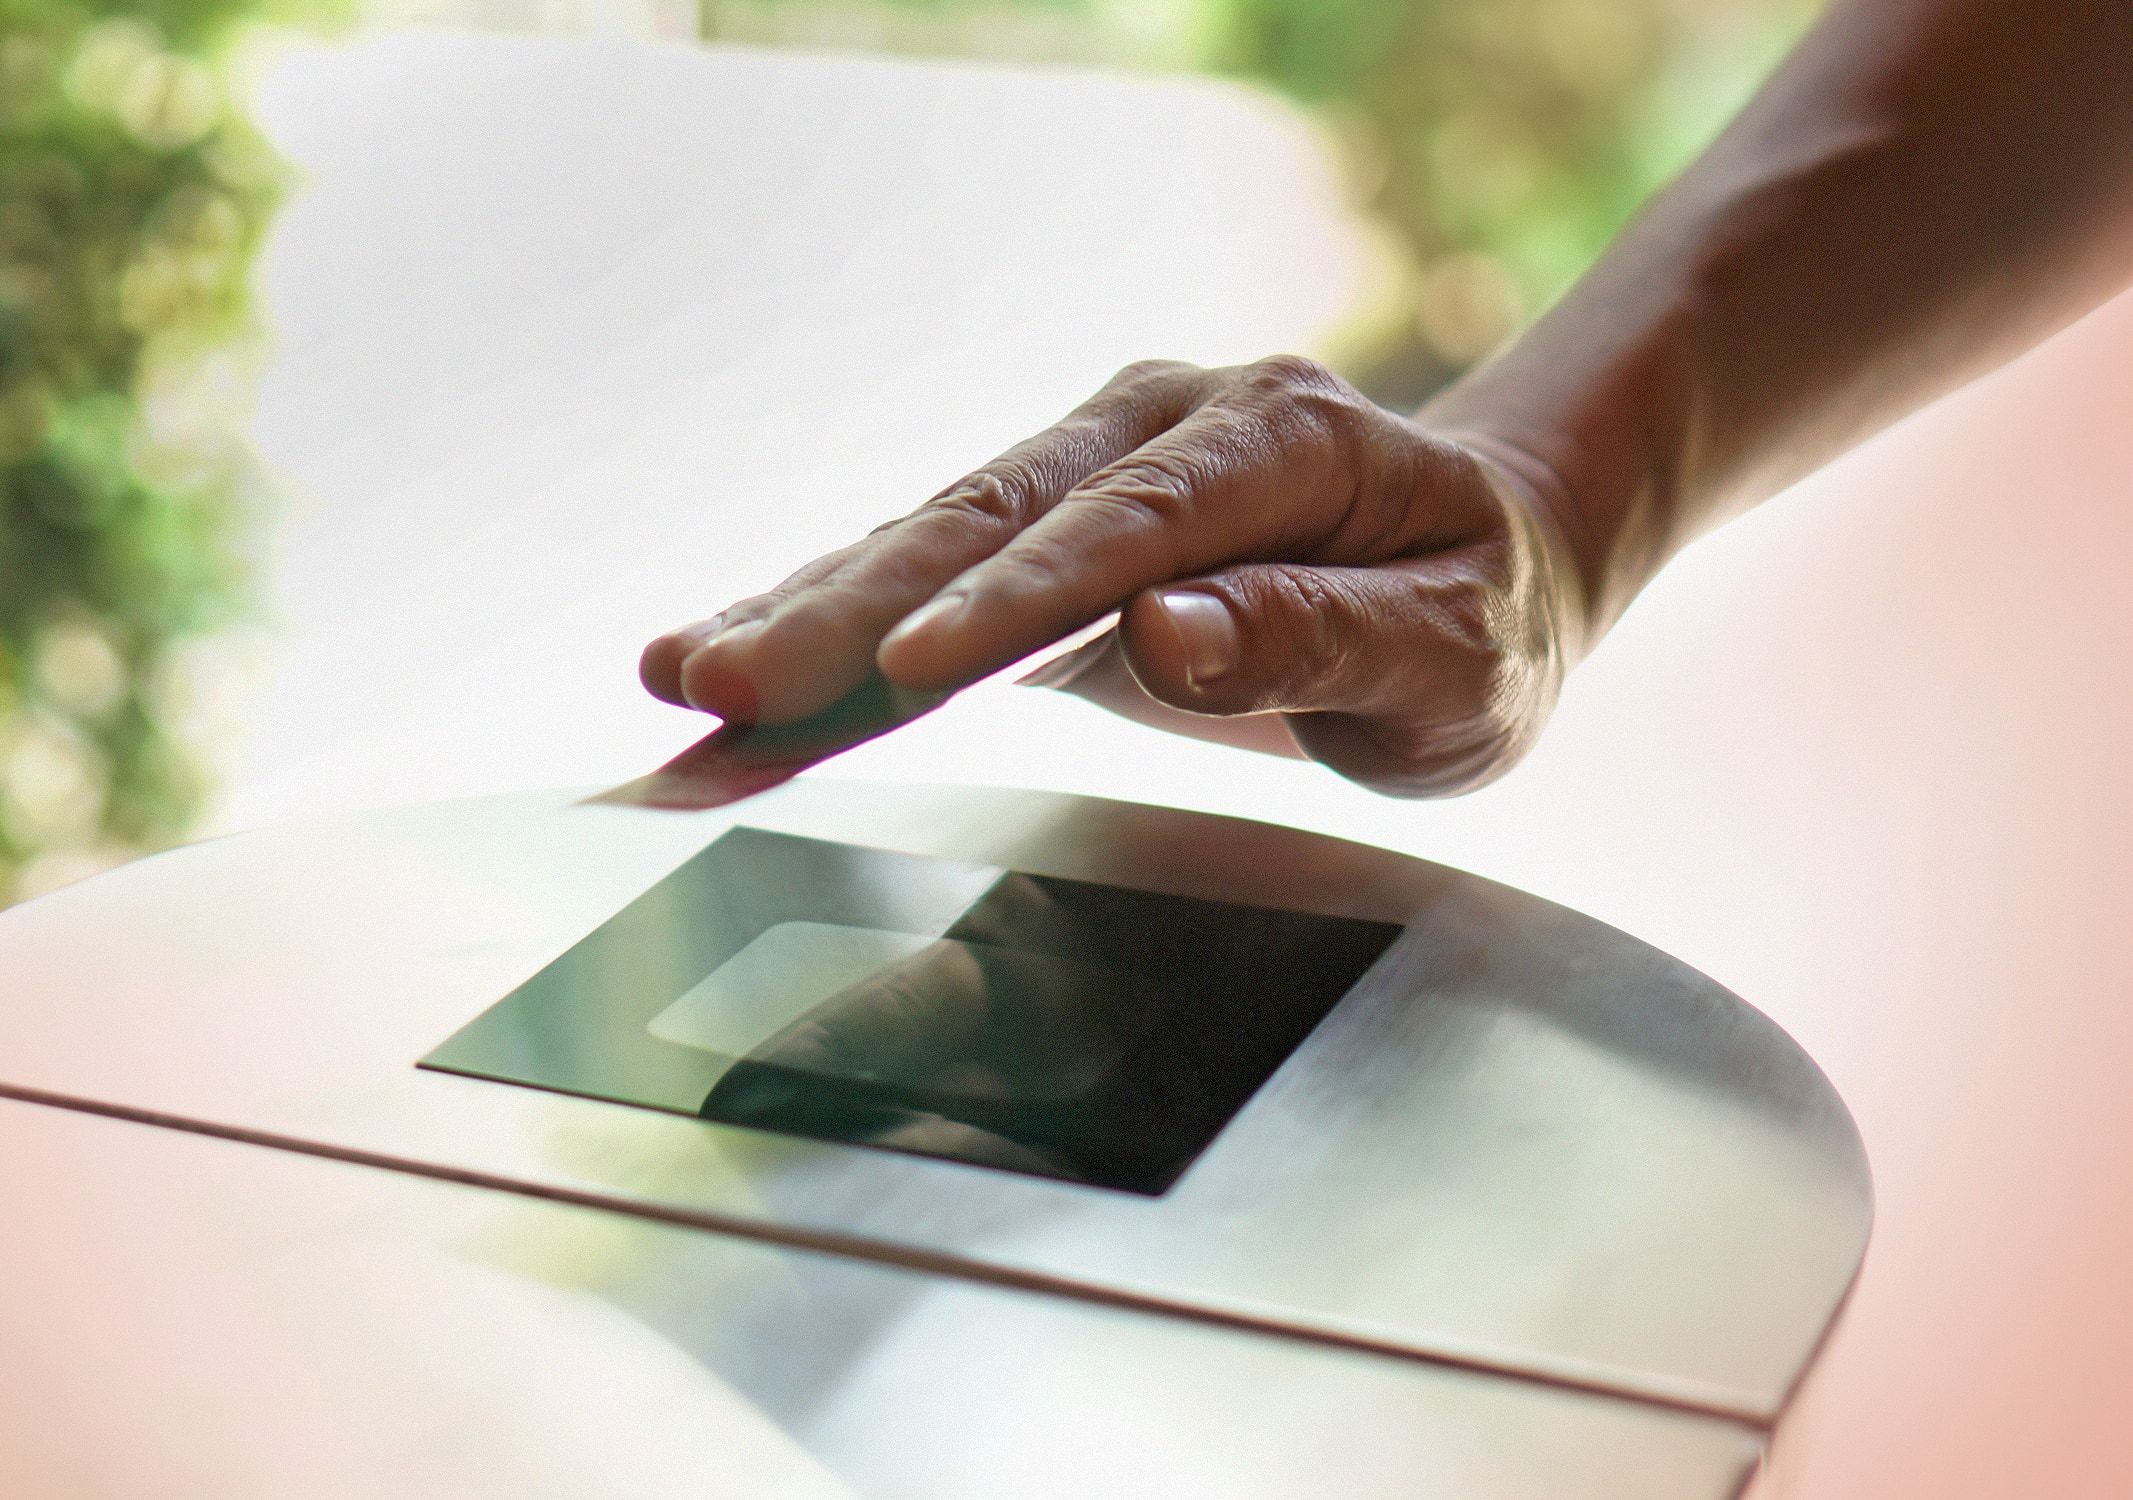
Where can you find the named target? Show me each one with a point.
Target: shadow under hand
(739, 760)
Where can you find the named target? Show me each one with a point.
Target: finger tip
(659, 667)
(1155, 653)
(712, 681)
(919, 652)
(912, 664)
(753, 675)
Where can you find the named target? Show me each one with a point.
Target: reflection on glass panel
(1057, 1027)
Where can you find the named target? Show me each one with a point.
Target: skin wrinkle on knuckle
(1234, 435)
(1030, 571)
(759, 608)
(1142, 375)
(1502, 601)
(1501, 700)
(1306, 632)
(1052, 458)
(1290, 372)
(1104, 544)
(1258, 473)
(1485, 686)
(1330, 615)
(1144, 396)
(1255, 405)
(1133, 523)
(1009, 491)
(796, 582)
(1286, 439)
(995, 496)
(754, 607)
(1489, 693)
(1156, 489)
(1462, 614)
(1309, 400)
(1315, 423)
(1385, 490)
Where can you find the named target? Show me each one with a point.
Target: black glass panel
(1080, 1031)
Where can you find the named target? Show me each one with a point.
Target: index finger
(805, 645)
(1288, 464)
(1218, 487)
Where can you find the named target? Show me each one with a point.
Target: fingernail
(927, 618)
(683, 639)
(727, 637)
(710, 683)
(1207, 634)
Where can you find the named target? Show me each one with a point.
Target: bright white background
(580, 340)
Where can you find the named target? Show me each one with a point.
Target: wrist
(1598, 444)
(1539, 510)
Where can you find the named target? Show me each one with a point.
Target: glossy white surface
(577, 340)
(1523, 1140)
(1860, 757)
(187, 1317)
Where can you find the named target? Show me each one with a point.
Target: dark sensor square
(1086, 1032)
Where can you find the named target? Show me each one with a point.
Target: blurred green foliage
(1496, 144)
(132, 198)
(1501, 143)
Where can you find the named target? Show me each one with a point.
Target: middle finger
(815, 641)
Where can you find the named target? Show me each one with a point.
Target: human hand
(927, 1055)
(1278, 545)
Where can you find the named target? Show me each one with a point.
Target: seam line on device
(932, 1262)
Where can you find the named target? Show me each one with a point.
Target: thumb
(1407, 640)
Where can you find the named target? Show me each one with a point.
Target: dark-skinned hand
(1294, 567)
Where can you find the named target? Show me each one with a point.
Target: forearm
(1925, 188)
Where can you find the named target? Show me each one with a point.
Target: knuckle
(1495, 694)
(1304, 402)
(757, 606)
(997, 494)
(1314, 615)
(1033, 566)
(1473, 707)
(1068, 434)
(1290, 372)
(1466, 616)
(1305, 632)
(1156, 489)
(1144, 374)
(1294, 384)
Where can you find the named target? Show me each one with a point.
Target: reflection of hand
(1276, 542)
(961, 1050)
(918, 1021)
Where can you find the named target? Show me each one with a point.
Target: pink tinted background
(1947, 724)
(1861, 756)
